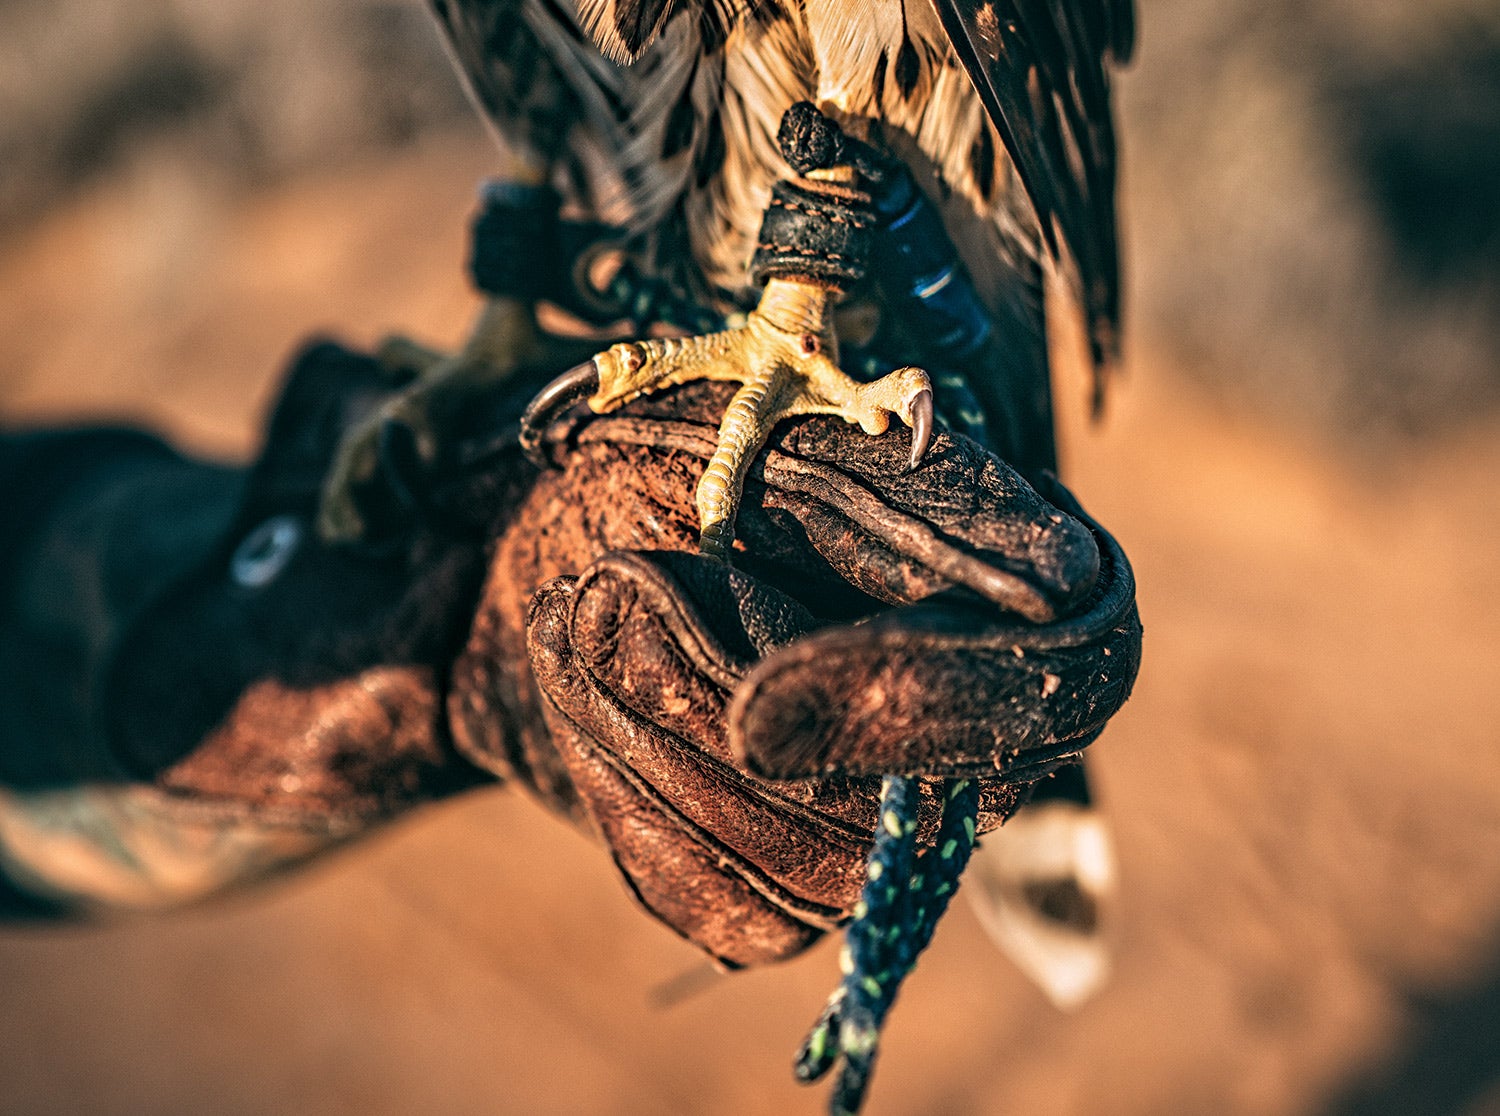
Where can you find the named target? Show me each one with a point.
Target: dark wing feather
(1041, 69)
(513, 79)
(624, 28)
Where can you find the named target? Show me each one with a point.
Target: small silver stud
(265, 552)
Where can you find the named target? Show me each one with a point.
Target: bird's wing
(539, 72)
(1041, 67)
(516, 83)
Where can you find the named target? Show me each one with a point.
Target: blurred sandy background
(1303, 463)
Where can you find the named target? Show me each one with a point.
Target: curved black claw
(921, 427)
(578, 382)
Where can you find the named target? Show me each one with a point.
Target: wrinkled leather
(724, 727)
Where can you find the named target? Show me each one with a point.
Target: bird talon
(406, 360)
(786, 360)
(577, 383)
(921, 427)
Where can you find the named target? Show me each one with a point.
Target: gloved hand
(231, 700)
(724, 727)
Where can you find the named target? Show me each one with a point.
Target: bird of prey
(678, 122)
(662, 117)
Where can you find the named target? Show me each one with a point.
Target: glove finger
(672, 634)
(827, 508)
(670, 637)
(940, 689)
(641, 631)
(747, 874)
(964, 519)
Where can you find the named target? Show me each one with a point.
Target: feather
(622, 29)
(1040, 68)
(510, 77)
(680, 145)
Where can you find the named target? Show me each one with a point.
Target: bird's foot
(405, 359)
(786, 359)
(503, 340)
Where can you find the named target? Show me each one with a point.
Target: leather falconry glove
(722, 727)
(725, 727)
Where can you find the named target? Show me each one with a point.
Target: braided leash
(905, 894)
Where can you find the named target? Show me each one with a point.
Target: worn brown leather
(724, 728)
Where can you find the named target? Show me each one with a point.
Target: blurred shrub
(254, 89)
(1314, 203)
